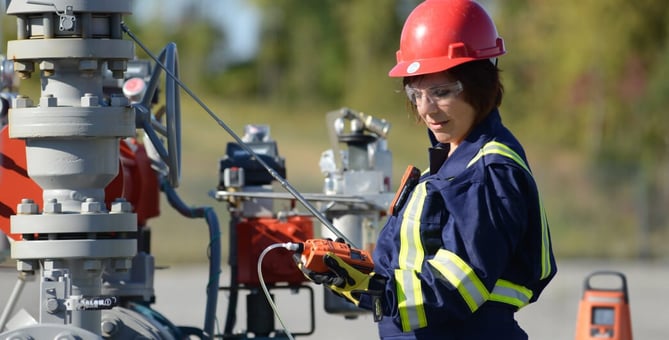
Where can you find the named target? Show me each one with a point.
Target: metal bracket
(67, 17)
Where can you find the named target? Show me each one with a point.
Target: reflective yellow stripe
(501, 149)
(409, 297)
(511, 293)
(461, 276)
(448, 266)
(546, 267)
(411, 256)
(411, 250)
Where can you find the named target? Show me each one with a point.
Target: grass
(584, 220)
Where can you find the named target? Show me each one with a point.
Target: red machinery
(256, 234)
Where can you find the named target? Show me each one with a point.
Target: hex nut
(88, 65)
(52, 207)
(118, 100)
(92, 265)
(121, 265)
(21, 102)
(121, 206)
(26, 207)
(90, 206)
(48, 100)
(25, 266)
(24, 66)
(46, 65)
(89, 100)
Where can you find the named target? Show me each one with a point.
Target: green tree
(593, 70)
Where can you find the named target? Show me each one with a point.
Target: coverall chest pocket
(433, 219)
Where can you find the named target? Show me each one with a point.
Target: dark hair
(480, 79)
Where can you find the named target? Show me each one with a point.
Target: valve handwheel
(151, 121)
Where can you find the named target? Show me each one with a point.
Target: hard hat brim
(426, 66)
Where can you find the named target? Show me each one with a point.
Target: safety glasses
(436, 94)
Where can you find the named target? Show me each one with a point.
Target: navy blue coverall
(469, 246)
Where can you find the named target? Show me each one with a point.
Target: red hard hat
(441, 34)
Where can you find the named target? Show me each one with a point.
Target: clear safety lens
(437, 94)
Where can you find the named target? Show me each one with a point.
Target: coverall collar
(449, 167)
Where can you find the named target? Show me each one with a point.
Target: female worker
(466, 243)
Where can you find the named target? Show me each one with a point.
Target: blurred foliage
(586, 91)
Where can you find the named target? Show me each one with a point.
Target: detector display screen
(602, 316)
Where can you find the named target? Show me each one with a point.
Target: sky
(239, 18)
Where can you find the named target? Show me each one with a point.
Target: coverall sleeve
(480, 222)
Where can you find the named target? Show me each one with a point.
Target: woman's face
(441, 106)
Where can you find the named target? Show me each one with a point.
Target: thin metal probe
(284, 183)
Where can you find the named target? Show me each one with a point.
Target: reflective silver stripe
(411, 255)
(450, 267)
(501, 149)
(511, 293)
